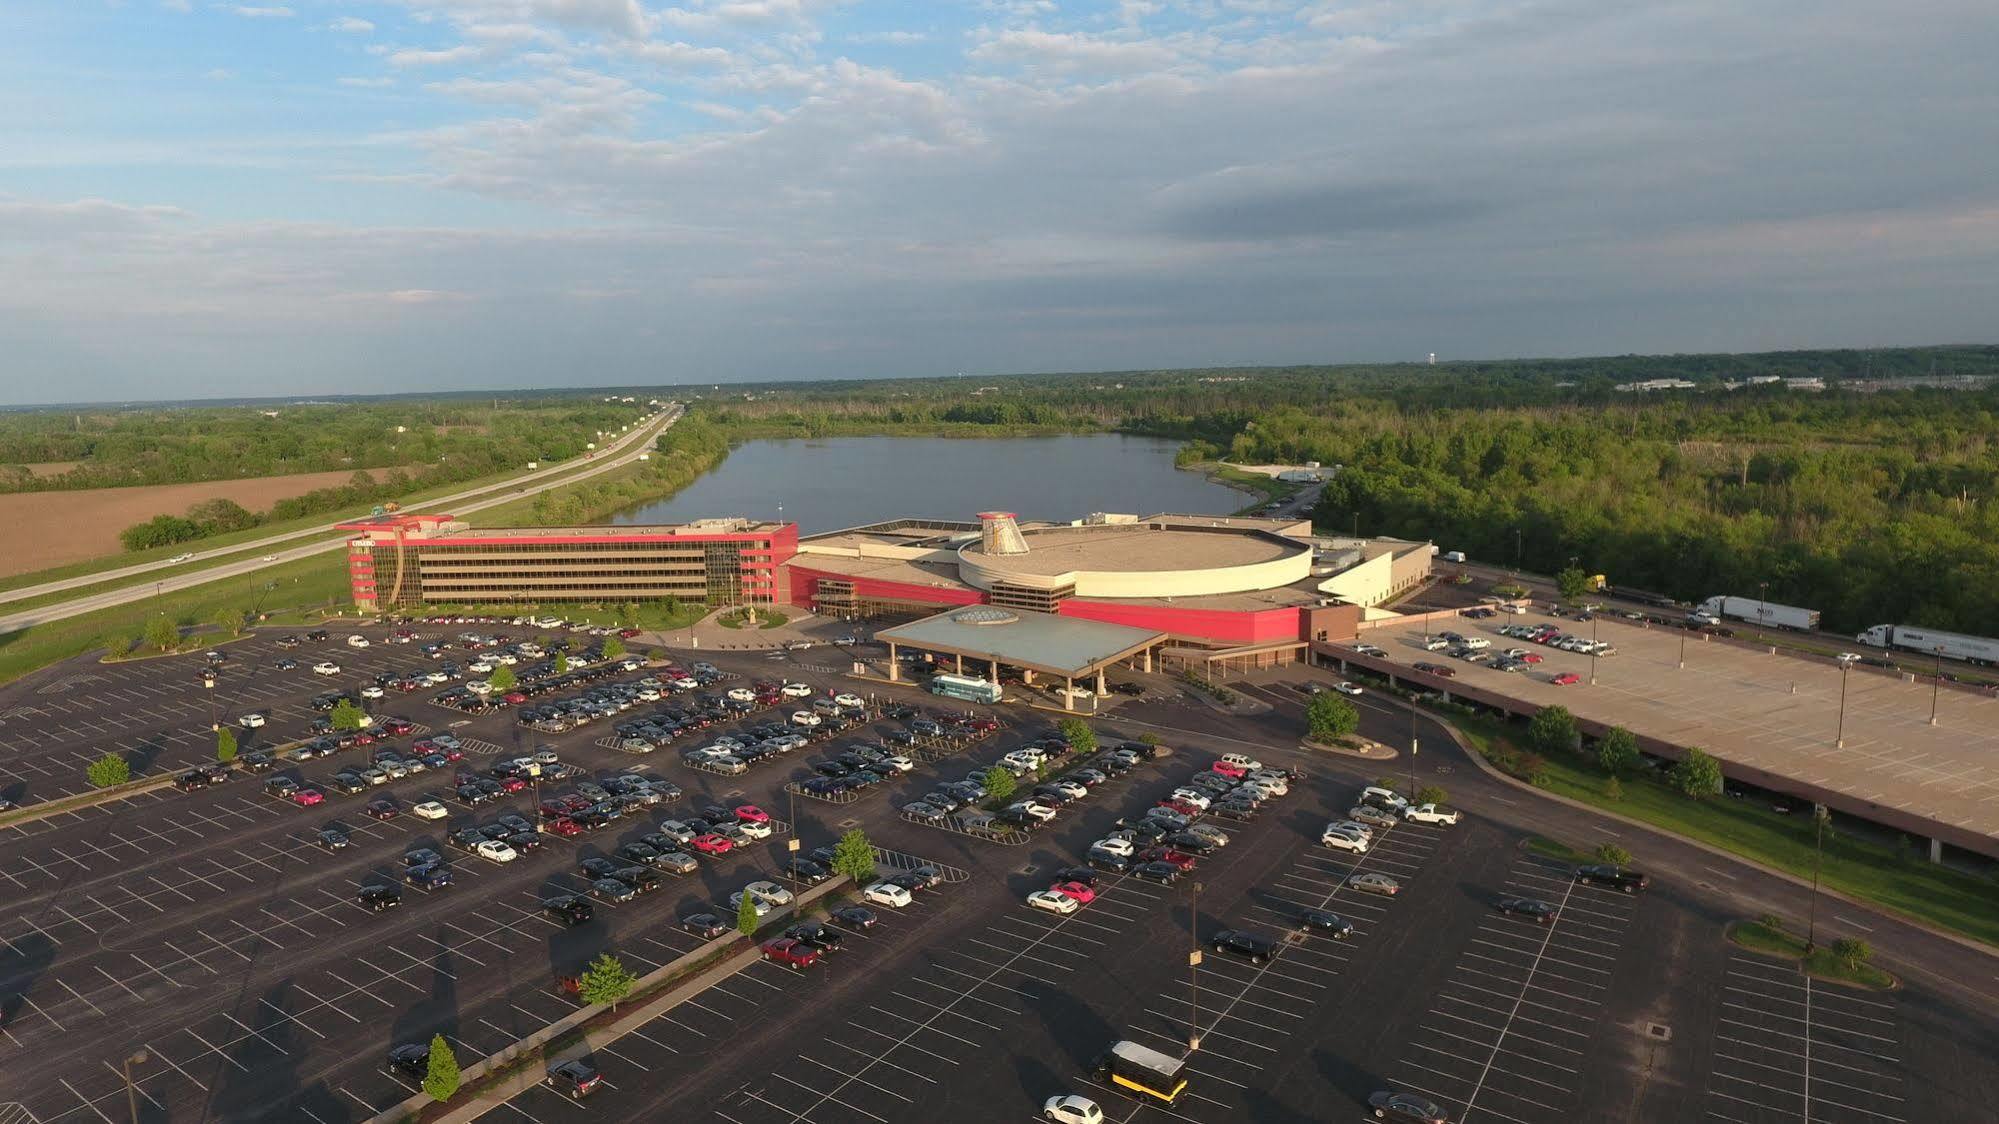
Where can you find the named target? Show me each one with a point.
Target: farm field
(54, 528)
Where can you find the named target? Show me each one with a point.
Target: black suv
(1255, 947)
(569, 911)
(816, 935)
(379, 898)
(1615, 877)
(411, 1061)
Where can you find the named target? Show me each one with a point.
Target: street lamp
(132, 1091)
(1412, 750)
(1592, 649)
(1936, 685)
(1839, 737)
(1194, 970)
(1516, 552)
(1820, 816)
(1683, 647)
(1763, 604)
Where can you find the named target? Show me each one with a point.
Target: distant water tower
(1433, 359)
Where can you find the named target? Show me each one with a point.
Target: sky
(202, 199)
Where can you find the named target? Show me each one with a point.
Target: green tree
(628, 614)
(1613, 789)
(613, 647)
(121, 643)
(1000, 784)
(1613, 854)
(606, 980)
(1852, 951)
(1572, 583)
(346, 716)
(1617, 752)
(440, 1082)
(1079, 735)
(225, 745)
(502, 679)
(108, 770)
(231, 621)
(1552, 730)
(162, 632)
(746, 916)
(854, 857)
(562, 663)
(1697, 776)
(1329, 717)
(1430, 794)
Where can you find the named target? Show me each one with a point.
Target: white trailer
(1930, 642)
(1757, 611)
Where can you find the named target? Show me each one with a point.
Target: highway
(618, 453)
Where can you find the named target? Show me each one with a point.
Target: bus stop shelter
(1066, 648)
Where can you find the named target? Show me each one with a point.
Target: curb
(1372, 751)
(1489, 770)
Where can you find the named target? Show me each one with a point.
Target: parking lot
(211, 930)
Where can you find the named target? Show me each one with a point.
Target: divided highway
(617, 454)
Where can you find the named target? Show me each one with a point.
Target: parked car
(1254, 947)
(1615, 877)
(1405, 1107)
(1542, 912)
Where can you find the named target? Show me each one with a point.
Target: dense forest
(433, 442)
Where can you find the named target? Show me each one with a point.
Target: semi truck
(1930, 642)
(1756, 611)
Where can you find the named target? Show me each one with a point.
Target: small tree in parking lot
(1329, 717)
(1617, 752)
(1697, 776)
(1852, 951)
(503, 679)
(1430, 794)
(108, 770)
(225, 745)
(1000, 784)
(607, 980)
(1613, 854)
(345, 715)
(1553, 730)
(854, 857)
(440, 1082)
(1572, 583)
(746, 916)
(1078, 734)
(562, 663)
(162, 633)
(231, 621)
(614, 647)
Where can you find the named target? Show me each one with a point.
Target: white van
(1454, 556)
(1242, 761)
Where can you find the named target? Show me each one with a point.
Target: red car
(1529, 657)
(1566, 679)
(1168, 855)
(1230, 770)
(711, 844)
(563, 826)
(750, 813)
(513, 784)
(1075, 890)
(576, 802)
(1180, 808)
(514, 698)
(425, 746)
(986, 725)
(791, 953)
(453, 753)
(628, 633)
(363, 737)
(397, 726)
(382, 809)
(307, 797)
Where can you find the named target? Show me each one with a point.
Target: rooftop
(1041, 641)
(1135, 548)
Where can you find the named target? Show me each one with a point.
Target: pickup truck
(1431, 813)
(1615, 877)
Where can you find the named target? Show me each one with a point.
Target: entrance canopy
(1044, 642)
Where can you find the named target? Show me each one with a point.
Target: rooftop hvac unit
(999, 534)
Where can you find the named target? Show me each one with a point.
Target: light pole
(1820, 815)
(1194, 970)
(1839, 737)
(1412, 750)
(1592, 649)
(132, 1091)
(1683, 647)
(1936, 685)
(1516, 553)
(1763, 604)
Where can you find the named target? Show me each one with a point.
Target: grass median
(1897, 878)
(1823, 962)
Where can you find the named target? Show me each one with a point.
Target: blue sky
(314, 196)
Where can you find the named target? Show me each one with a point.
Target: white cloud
(257, 12)
(412, 56)
(219, 74)
(177, 5)
(892, 38)
(350, 24)
(368, 83)
(1073, 51)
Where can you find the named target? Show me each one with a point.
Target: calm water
(845, 481)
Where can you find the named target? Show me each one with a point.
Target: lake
(824, 485)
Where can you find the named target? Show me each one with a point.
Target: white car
(1431, 813)
(1477, 643)
(181, 558)
(688, 683)
(741, 695)
(900, 764)
(1072, 1110)
(371, 692)
(1352, 827)
(496, 850)
(796, 690)
(799, 645)
(1040, 812)
(1340, 842)
(251, 720)
(430, 810)
(1053, 902)
(1074, 790)
(1384, 797)
(888, 894)
(1347, 688)
(770, 892)
(511, 660)
(849, 700)
(1122, 848)
(270, 558)
(326, 667)
(1192, 796)
(804, 718)
(1371, 650)
(1080, 694)
(357, 641)
(754, 830)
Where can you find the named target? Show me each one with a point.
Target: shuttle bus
(965, 687)
(1145, 1071)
